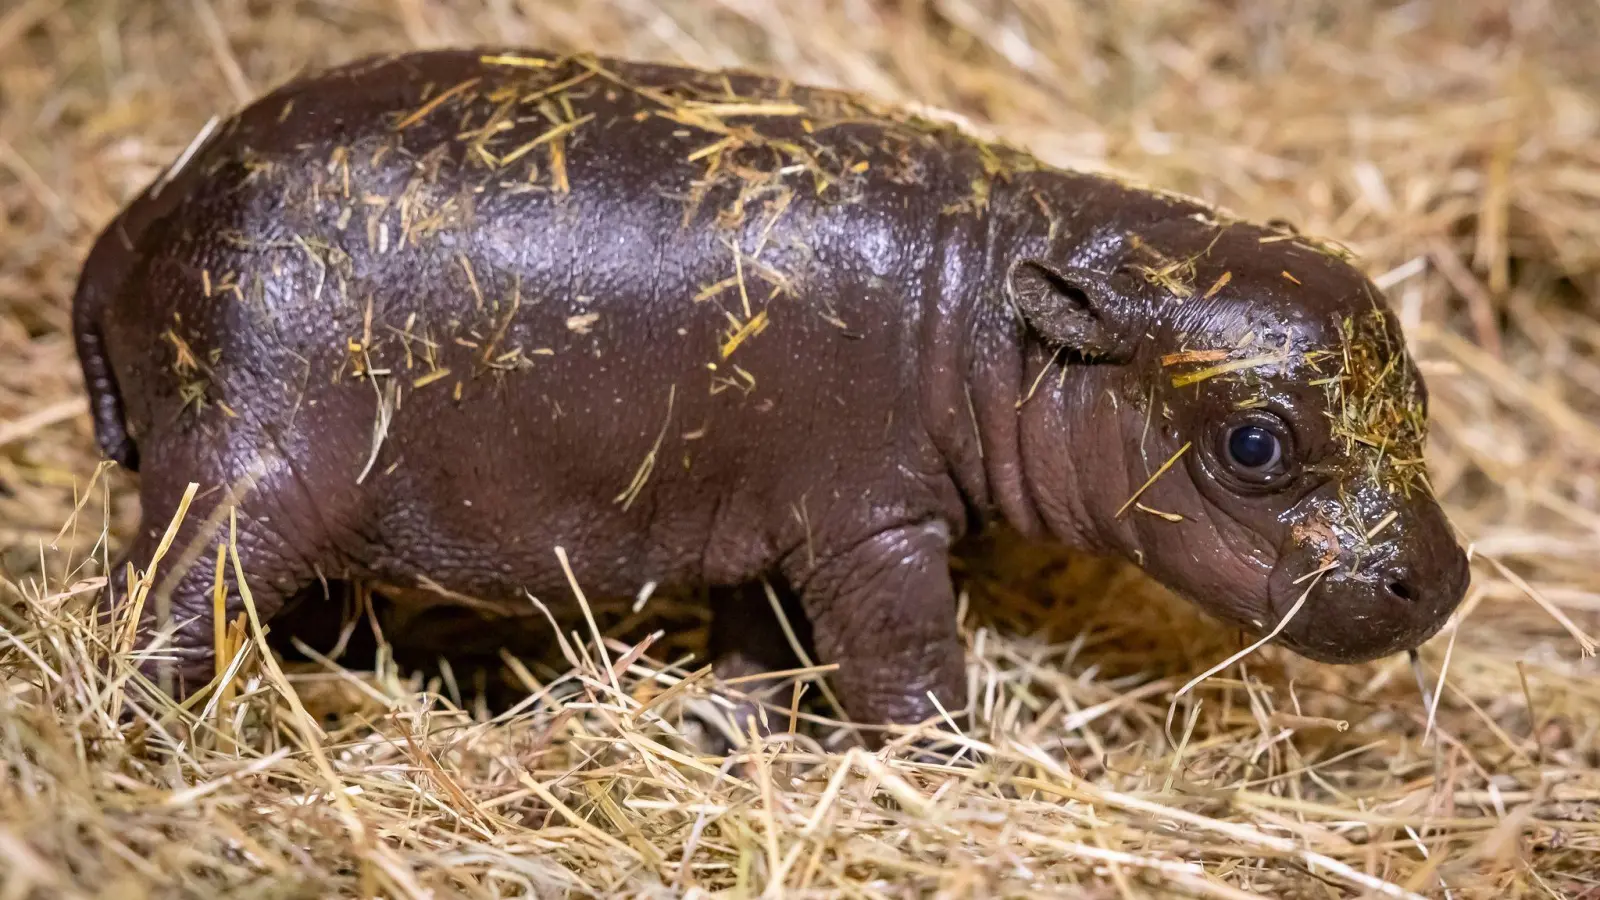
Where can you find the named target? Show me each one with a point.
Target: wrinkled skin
(529, 270)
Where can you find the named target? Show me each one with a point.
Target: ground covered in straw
(1455, 146)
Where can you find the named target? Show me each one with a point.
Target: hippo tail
(111, 263)
(98, 283)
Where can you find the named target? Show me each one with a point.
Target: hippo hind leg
(282, 526)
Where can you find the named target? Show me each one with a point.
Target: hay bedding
(1456, 146)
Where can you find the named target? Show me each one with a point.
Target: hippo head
(1242, 419)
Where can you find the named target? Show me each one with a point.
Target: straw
(1452, 146)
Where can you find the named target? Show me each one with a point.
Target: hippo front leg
(884, 611)
(747, 641)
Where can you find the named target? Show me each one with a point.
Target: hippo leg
(281, 538)
(747, 640)
(884, 610)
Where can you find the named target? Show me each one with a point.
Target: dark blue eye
(1254, 448)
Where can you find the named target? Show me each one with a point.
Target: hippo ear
(1069, 307)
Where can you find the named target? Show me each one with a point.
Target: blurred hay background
(1455, 145)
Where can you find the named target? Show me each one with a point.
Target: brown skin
(921, 334)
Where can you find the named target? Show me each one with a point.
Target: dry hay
(1455, 146)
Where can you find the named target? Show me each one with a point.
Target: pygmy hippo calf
(425, 318)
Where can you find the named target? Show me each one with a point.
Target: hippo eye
(1257, 451)
(1254, 448)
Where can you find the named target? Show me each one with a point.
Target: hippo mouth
(1368, 603)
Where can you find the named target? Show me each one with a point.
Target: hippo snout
(1379, 598)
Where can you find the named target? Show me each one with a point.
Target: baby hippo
(423, 319)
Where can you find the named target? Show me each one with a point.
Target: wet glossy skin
(1345, 518)
(434, 316)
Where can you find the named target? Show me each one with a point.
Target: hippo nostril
(1401, 591)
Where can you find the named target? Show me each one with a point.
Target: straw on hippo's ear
(1069, 307)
